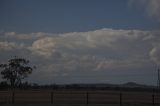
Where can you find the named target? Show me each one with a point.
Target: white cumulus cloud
(44, 46)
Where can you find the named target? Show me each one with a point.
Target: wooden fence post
(120, 99)
(13, 97)
(87, 98)
(153, 100)
(51, 97)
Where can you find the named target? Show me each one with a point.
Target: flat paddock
(78, 98)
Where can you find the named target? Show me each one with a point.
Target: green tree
(15, 70)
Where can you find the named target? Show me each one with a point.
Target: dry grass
(78, 98)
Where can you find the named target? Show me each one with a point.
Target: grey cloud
(151, 6)
(126, 44)
(119, 64)
(102, 38)
(25, 36)
(92, 51)
(155, 54)
(7, 46)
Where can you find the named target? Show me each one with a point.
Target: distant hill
(103, 85)
(134, 85)
(100, 86)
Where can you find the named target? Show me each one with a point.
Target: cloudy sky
(83, 41)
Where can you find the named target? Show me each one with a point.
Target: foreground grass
(78, 98)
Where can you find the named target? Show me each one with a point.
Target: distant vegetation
(125, 87)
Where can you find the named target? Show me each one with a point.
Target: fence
(81, 98)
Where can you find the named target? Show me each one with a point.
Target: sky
(83, 41)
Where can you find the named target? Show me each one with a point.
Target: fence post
(153, 100)
(13, 97)
(87, 98)
(120, 99)
(51, 97)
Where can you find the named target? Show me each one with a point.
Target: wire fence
(100, 98)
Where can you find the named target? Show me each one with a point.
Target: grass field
(78, 98)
